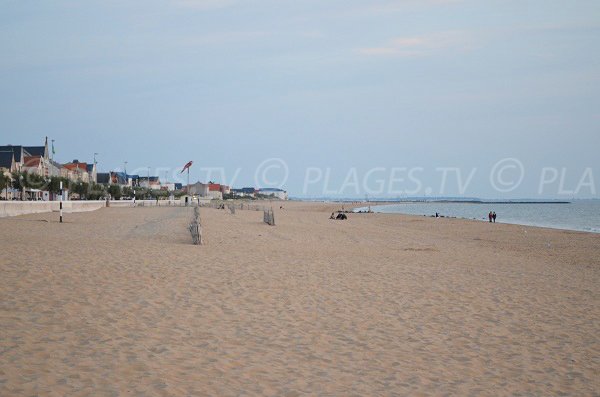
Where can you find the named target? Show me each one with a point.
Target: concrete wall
(195, 200)
(145, 203)
(14, 208)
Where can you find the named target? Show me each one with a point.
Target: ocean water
(582, 215)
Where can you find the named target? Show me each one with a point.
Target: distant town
(31, 173)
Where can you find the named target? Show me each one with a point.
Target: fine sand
(118, 302)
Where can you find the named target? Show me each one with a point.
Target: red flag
(185, 167)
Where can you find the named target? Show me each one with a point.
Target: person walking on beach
(490, 216)
(494, 216)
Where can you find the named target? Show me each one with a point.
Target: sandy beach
(118, 302)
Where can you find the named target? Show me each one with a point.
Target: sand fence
(268, 213)
(221, 205)
(195, 227)
(269, 216)
(147, 203)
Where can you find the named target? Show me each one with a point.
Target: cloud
(421, 46)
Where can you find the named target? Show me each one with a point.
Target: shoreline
(442, 216)
(557, 228)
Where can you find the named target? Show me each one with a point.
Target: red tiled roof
(32, 161)
(214, 187)
(73, 166)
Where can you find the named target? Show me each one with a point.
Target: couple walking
(492, 216)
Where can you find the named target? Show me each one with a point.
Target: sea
(580, 215)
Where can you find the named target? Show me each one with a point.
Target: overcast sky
(341, 85)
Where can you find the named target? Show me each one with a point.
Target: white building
(276, 193)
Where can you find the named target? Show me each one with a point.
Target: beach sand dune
(118, 302)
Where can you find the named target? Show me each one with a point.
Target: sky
(391, 98)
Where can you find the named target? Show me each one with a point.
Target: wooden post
(195, 227)
(61, 200)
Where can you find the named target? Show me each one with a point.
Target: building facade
(275, 193)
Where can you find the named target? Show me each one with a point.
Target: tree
(115, 191)
(17, 183)
(4, 183)
(127, 191)
(96, 191)
(142, 193)
(54, 184)
(16, 180)
(81, 188)
(160, 193)
(35, 181)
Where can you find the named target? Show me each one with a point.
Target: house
(7, 162)
(198, 189)
(214, 191)
(225, 189)
(244, 192)
(20, 152)
(118, 178)
(40, 151)
(154, 183)
(149, 182)
(133, 180)
(103, 178)
(76, 171)
(210, 190)
(54, 168)
(273, 192)
(93, 174)
(30, 159)
(169, 186)
(34, 165)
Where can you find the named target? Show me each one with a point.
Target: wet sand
(117, 302)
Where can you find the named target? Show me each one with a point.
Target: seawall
(14, 208)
